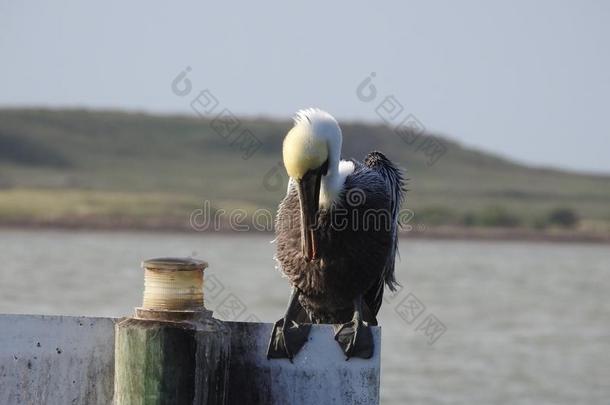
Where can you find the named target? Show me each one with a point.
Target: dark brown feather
(356, 243)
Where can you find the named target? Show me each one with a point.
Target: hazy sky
(526, 79)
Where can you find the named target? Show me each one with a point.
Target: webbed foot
(285, 343)
(355, 339)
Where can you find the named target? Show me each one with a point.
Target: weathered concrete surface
(56, 360)
(61, 360)
(168, 362)
(319, 375)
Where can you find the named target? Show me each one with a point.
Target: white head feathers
(315, 138)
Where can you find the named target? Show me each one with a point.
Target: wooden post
(172, 351)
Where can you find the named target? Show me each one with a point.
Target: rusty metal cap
(174, 264)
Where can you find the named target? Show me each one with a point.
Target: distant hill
(73, 165)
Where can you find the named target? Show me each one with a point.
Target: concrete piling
(172, 351)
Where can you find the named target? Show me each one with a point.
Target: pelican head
(311, 154)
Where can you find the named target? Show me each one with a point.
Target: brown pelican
(336, 235)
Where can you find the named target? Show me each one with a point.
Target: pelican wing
(393, 178)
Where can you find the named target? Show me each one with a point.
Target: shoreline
(417, 231)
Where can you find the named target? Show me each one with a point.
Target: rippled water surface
(523, 323)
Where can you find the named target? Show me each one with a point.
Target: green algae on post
(172, 351)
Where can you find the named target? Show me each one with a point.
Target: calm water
(525, 323)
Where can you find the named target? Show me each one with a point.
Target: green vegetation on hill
(66, 165)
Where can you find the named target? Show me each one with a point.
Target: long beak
(309, 198)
